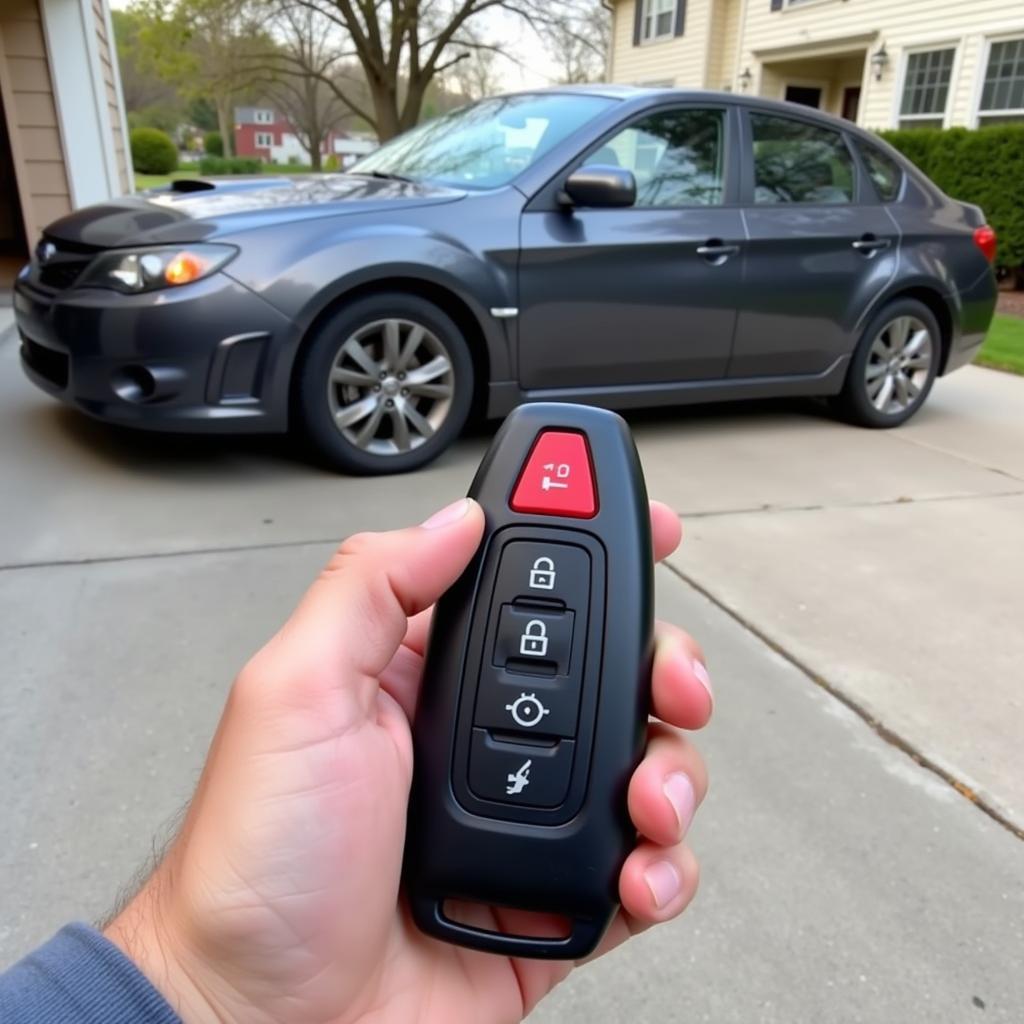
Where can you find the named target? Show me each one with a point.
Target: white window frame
(264, 117)
(978, 113)
(954, 72)
(264, 140)
(649, 14)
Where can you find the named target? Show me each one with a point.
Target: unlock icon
(542, 575)
(534, 641)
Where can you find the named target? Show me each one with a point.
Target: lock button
(533, 640)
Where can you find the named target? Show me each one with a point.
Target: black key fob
(534, 702)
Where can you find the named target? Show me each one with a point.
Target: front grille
(57, 264)
(62, 273)
(46, 362)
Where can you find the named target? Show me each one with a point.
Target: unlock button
(534, 641)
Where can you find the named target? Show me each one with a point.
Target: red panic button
(557, 479)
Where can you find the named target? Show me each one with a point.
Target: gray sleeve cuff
(78, 977)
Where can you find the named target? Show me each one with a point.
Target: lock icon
(542, 575)
(534, 641)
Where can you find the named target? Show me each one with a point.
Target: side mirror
(599, 185)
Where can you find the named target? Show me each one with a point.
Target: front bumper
(210, 356)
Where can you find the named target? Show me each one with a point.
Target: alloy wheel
(899, 363)
(390, 386)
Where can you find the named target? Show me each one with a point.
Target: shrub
(983, 166)
(229, 165)
(213, 144)
(332, 162)
(153, 152)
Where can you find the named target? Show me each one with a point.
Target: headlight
(150, 269)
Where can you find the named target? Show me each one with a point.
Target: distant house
(268, 135)
(63, 141)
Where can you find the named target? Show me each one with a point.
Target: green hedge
(153, 151)
(213, 144)
(984, 166)
(230, 165)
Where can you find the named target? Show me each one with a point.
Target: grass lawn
(144, 181)
(1004, 346)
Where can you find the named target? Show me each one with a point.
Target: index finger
(666, 533)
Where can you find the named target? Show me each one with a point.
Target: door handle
(716, 252)
(869, 245)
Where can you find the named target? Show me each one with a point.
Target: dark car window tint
(675, 156)
(883, 171)
(797, 162)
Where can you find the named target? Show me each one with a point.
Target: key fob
(534, 702)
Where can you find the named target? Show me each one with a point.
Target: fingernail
(663, 881)
(703, 678)
(447, 515)
(679, 791)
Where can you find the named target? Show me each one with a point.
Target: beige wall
(675, 61)
(763, 40)
(107, 55)
(31, 116)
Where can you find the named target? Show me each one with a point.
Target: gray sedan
(616, 246)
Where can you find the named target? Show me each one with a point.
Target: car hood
(195, 209)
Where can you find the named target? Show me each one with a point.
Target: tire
(367, 416)
(893, 367)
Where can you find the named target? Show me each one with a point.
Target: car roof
(648, 95)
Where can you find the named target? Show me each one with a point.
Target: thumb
(353, 618)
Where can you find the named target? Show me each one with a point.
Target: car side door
(820, 247)
(642, 294)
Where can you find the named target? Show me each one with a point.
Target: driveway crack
(890, 737)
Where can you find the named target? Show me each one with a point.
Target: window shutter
(680, 25)
(776, 5)
(638, 21)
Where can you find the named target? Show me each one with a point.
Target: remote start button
(556, 479)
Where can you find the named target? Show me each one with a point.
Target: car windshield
(487, 144)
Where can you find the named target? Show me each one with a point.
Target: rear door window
(885, 174)
(799, 162)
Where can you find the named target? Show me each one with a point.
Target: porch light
(879, 62)
(745, 79)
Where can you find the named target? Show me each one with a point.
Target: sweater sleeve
(78, 977)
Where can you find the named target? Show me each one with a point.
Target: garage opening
(13, 245)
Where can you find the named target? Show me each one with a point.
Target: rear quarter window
(884, 172)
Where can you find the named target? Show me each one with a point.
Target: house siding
(32, 116)
(675, 61)
(769, 42)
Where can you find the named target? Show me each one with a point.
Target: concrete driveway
(858, 594)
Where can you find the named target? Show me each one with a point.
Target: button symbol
(519, 780)
(534, 641)
(542, 575)
(527, 710)
(561, 471)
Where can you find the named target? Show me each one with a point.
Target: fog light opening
(134, 384)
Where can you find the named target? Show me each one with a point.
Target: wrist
(147, 933)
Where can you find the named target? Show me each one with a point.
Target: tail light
(985, 240)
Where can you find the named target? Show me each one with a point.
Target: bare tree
(303, 73)
(475, 76)
(403, 45)
(578, 38)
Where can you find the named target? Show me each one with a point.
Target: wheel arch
(445, 298)
(937, 304)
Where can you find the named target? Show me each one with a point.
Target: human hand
(279, 899)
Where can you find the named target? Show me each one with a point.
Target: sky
(527, 66)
